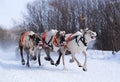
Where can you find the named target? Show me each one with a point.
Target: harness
(61, 42)
(43, 38)
(82, 39)
(55, 41)
(23, 37)
(44, 42)
(69, 37)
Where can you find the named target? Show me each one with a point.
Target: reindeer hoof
(71, 61)
(47, 58)
(57, 63)
(80, 65)
(52, 63)
(84, 69)
(27, 65)
(39, 64)
(23, 62)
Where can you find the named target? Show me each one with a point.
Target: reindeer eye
(92, 33)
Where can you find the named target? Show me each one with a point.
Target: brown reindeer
(30, 42)
(53, 41)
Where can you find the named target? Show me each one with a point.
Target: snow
(102, 67)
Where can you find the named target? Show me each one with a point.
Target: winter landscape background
(102, 16)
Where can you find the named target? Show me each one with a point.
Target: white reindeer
(77, 43)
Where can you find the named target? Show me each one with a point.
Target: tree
(102, 16)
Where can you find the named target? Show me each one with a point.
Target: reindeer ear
(86, 29)
(63, 32)
(81, 30)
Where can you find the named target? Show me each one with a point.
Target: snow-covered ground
(102, 67)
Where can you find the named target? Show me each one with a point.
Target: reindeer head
(89, 35)
(60, 37)
(36, 40)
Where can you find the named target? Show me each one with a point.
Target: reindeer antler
(82, 20)
(90, 24)
(85, 30)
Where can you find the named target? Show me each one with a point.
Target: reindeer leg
(78, 63)
(39, 62)
(48, 58)
(58, 60)
(21, 52)
(62, 50)
(74, 58)
(71, 60)
(63, 55)
(27, 64)
(85, 66)
(47, 54)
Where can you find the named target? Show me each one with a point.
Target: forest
(103, 16)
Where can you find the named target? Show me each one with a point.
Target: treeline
(103, 16)
(9, 37)
(4, 37)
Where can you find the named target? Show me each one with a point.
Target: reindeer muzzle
(40, 44)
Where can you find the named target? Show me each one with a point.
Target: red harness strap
(55, 41)
(69, 37)
(44, 37)
(23, 37)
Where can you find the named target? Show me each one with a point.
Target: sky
(11, 10)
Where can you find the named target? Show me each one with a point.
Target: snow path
(101, 68)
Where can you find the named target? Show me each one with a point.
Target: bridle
(82, 39)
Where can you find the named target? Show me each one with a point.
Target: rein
(82, 38)
(83, 41)
(43, 40)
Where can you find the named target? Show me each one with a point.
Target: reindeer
(30, 42)
(76, 43)
(53, 40)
